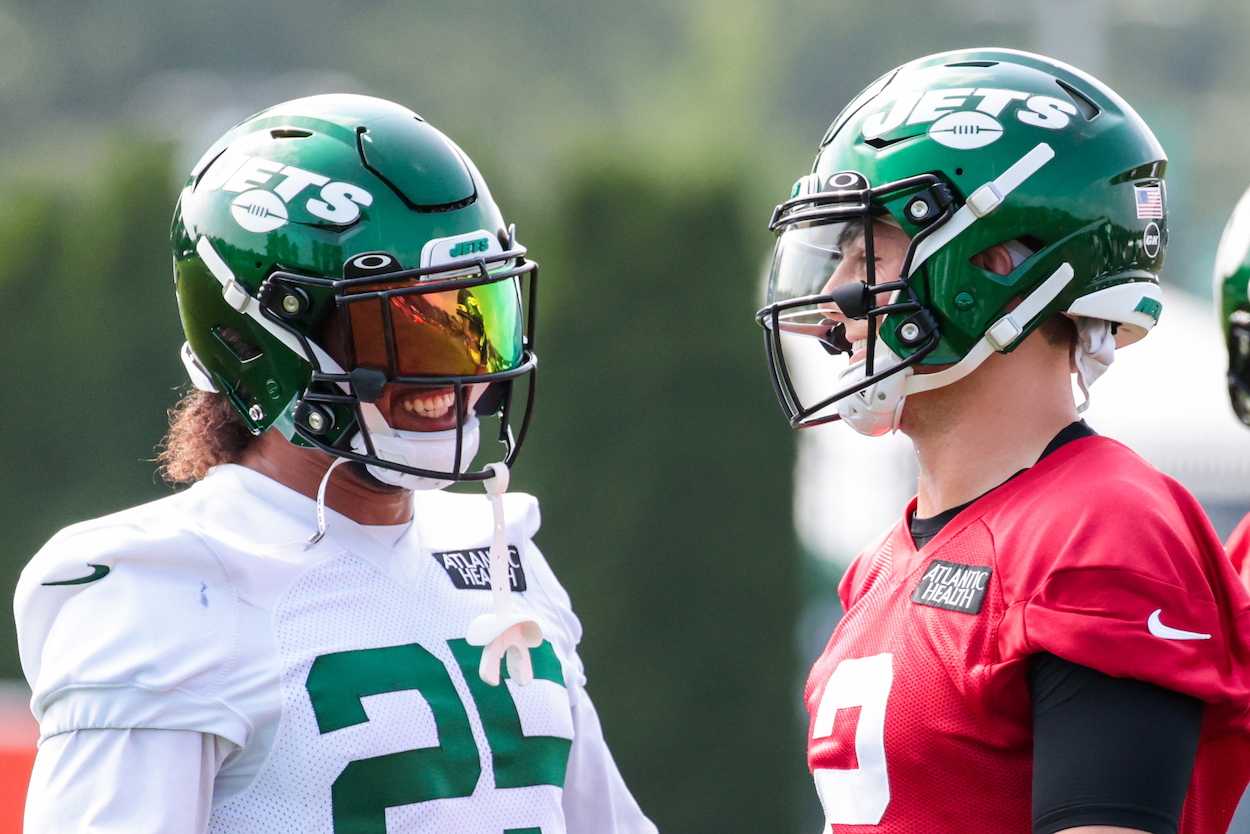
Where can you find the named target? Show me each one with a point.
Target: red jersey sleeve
(1238, 548)
(1123, 573)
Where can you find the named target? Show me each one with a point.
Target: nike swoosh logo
(98, 572)
(1158, 629)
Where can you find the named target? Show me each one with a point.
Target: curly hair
(204, 431)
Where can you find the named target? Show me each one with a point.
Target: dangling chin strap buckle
(503, 633)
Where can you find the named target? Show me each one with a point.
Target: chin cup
(433, 450)
(874, 410)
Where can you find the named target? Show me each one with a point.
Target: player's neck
(975, 434)
(302, 470)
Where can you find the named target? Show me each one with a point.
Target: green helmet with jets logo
(331, 247)
(964, 151)
(1232, 277)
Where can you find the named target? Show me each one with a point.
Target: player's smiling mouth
(430, 404)
(420, 409)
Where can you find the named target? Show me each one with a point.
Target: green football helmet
(1232, 275)
(964, 151)
(335, 251)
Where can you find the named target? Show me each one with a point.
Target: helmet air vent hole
(242, 349)
(882, 144)
(289, 133)
(1088, 109)
(974, 64)
(959, 172)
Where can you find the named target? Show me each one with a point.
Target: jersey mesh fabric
(1081, 550)
(1238, 547)
(345, 605)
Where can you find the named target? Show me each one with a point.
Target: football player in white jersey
(295, 645)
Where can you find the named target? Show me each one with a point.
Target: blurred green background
(639, 146)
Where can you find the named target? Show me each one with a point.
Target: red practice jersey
(921, 719)
(1238, 547)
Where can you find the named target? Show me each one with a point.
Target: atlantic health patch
(469, 570)
(952, 586)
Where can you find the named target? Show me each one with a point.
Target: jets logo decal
(966, 118)
(267, 189)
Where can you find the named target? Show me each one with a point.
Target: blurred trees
(89, 341)
(664, 466)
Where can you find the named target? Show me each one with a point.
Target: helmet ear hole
(241, 348)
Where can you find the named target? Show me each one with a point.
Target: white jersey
(336, 678)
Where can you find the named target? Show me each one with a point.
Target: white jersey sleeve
(159, 782)
(127, 622)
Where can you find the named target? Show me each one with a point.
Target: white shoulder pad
(128, 622)
(450, 521)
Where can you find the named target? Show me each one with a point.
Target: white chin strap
(435, 450)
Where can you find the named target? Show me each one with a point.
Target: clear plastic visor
(812, 260)
(408, 329)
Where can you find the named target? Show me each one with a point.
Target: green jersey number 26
(367, 787)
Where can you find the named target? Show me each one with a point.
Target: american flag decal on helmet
(1149, 200)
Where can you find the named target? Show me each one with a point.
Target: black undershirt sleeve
(1108, 751)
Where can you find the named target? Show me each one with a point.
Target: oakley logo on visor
(372, 261)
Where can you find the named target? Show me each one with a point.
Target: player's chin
(361, 475)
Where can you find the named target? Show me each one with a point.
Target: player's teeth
(435, 406)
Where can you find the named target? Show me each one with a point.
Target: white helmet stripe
(983, 201)
(200, 376)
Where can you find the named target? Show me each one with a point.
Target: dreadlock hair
(204, 431)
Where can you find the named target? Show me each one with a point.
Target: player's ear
(996, 259)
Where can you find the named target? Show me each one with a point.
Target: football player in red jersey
(1051, 637)
(1232, 288)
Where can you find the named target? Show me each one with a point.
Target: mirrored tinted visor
(810, 260)
(408, 329)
